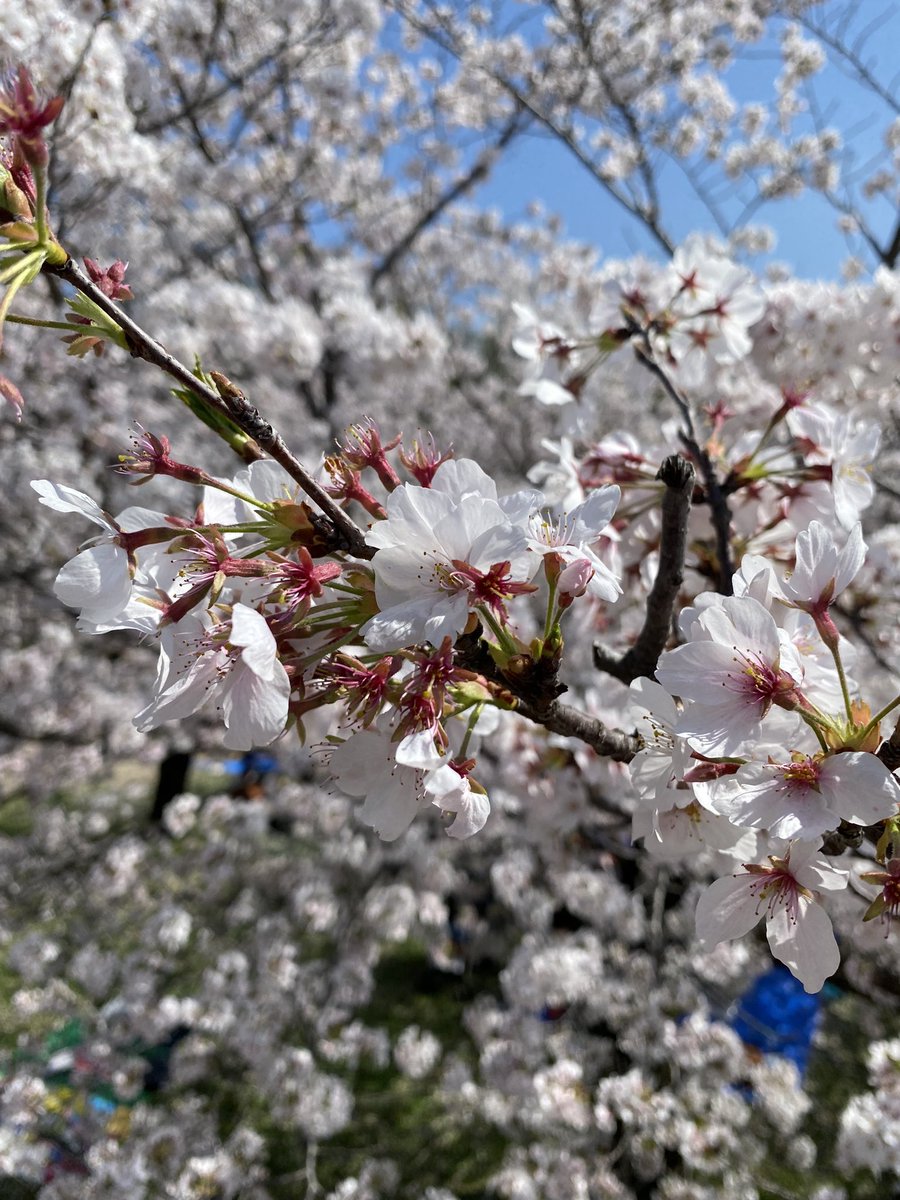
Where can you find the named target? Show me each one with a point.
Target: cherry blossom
(400, 307)
(551, 357)
(572, 537)
(234, 662)
(715, 305)
(731, 674)
(443, 551)
(823, 571)
(452, 791)
(365, 766)
(98, 581)
(850, 447)
(786, 892)
(809, 795)
(657, 770)
(684, 829)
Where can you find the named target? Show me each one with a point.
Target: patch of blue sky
(539, 168)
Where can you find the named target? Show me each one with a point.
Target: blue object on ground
(253, 760)
(778, 1017)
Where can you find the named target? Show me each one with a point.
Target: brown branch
(235, 407)
(891, 252)
(265, 435)
(535, 693)
(715, 496)
(889, 750)
(641, 659)
(190, 107)
(571, 722)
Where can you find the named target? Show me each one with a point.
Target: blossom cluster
(417, 627)
(755, 740)
(240, 610)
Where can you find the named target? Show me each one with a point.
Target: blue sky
(808, 240)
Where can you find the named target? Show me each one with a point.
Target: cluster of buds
(23, 186)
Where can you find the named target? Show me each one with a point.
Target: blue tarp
(778, 1017)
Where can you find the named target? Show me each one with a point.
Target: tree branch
(645, 214)
(641, 659)
(571, 722)
(889, 750)
(265, 435)
(852, 58)
(715, 496)
(235, 406)
(478, 172)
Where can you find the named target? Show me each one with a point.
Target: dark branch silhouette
(641, 659)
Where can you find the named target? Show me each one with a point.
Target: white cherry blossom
(786, 893)
(658, 769)
(573, 536)
(849, 446)
(452, 792)
(806, 797)
(365, 766)
(550, 355)
(98, 580)
(684, 829)
(822, 571)
(236, 663)
(730, 675)
(443, 551)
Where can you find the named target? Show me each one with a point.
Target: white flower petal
(96, 580)
(727, 910)
(804, 942)
(250, 631)
(67, 500)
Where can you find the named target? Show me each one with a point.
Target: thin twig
(234, 406)
(265, 435)
(478, 173)
(641, 659)
(645, 213)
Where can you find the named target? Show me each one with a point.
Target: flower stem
(40, 204)
(845, 692)
(879, 716)
(815, 726)
(470, 729)
(551, 611)
(504, 640)
(18, 319)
